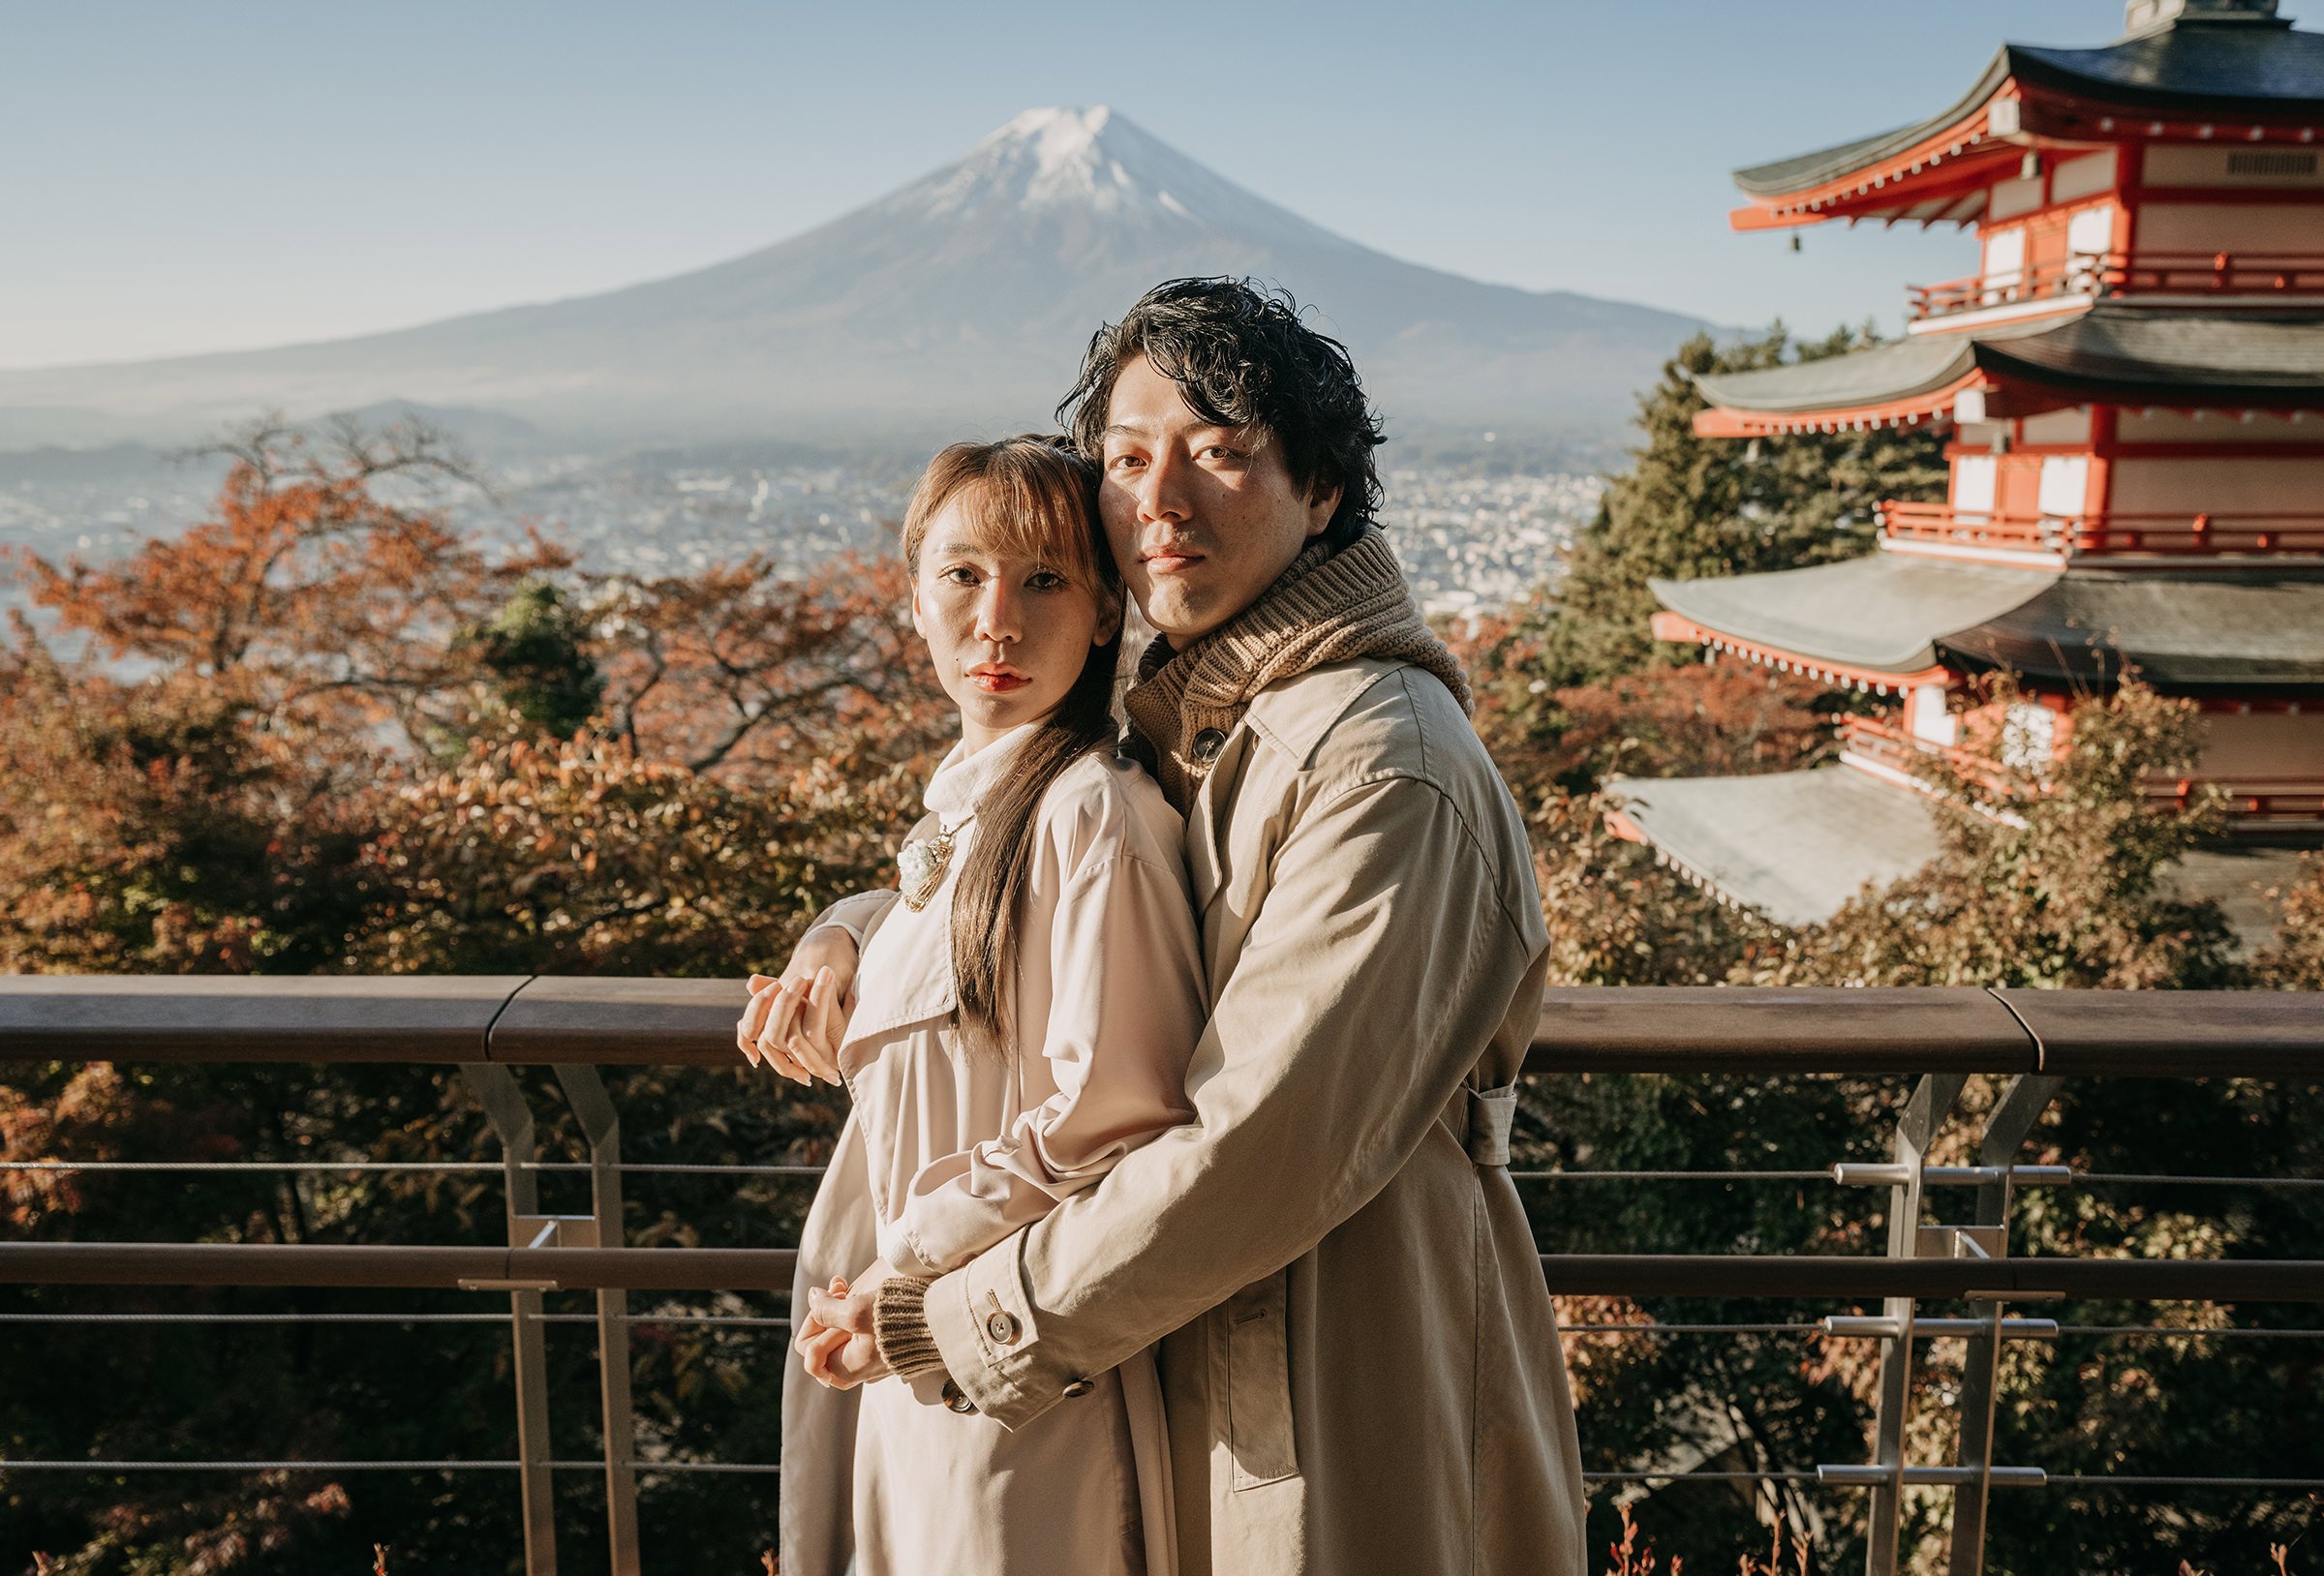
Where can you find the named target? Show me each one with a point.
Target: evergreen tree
(1691, 506)
(533, 648)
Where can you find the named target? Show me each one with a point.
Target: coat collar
(963, 777)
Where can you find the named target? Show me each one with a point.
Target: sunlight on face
(1008, 633)
(1202, 517)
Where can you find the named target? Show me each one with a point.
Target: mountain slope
(961, 300)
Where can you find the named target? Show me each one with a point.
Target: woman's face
(1008, 634)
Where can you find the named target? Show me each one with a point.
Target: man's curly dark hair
(1241, 357)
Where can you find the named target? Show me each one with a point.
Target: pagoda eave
(1876, 619)
(2230, 633)
(2109, 353)
(2027, 388)
(1680, 630)
(2191, 83)
(1728, 421)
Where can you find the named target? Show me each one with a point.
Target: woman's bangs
(1012, 511)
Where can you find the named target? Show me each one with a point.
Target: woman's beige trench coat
(953, 1147)
(1361, 1368)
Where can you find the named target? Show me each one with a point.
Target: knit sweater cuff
(899, 1326)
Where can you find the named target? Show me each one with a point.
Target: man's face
(1202, 517)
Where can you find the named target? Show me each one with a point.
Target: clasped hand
(795, 1025)
(836, 1339)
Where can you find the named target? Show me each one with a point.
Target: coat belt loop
(1492, 1112)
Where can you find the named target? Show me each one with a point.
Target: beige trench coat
(1364, 1373)
(954, 1148)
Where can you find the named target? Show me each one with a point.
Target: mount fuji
(960, 302)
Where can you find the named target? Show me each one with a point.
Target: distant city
(1472, 542)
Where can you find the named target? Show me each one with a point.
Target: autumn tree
(2295, 960)
(2053, 875)
(578, 855)
(200, 771)
(324, 730)
(741, 669)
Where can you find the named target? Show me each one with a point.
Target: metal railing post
(2006, 1128)
(1924, 1113)
(496, 1090)
(592, 1107)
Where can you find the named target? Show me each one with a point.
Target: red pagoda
(2132, 388)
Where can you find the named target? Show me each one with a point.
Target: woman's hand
(794, 1024)
(836, 1341)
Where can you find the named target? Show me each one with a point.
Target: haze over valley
(780, 401)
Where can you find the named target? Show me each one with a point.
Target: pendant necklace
(922, 862)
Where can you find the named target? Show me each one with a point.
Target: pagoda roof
(1882, 613)
(2198, 65)
(2248, 632)
(1795, 846)
(1805, 171)
(2113, 352)
(2166, 356)
(1882, 375)
(2256, 632)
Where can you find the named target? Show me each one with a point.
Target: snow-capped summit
(962, 301)
(1093, 162)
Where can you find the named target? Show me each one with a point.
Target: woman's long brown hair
(1032, 497)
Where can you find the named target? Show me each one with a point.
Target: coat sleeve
(1125, 1007)
(1377, 972)
(859, 915)
(815, 1509)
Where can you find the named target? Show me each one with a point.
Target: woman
(1025, 1012)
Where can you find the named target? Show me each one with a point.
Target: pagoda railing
(2243, 275)
(2251, 802)
(2159, 533)
(1947, 1228)
(1879, 742)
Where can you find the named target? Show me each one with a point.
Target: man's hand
(794, 1024)
(836, 1341)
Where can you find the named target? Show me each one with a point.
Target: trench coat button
(1078, 1388)
(953, 1400)
(1003, 1328)
(1207, 744)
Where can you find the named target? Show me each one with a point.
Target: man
(1361, 1365)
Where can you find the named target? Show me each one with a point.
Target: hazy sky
(233, 174)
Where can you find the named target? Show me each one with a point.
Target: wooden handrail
(620, 1022)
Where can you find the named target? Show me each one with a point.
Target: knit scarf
(1327, 607)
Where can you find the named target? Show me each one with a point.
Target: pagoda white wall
(1926, 717)
(2208, 227)
(2223, 486)
(1972, 484)
(2263, 745)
